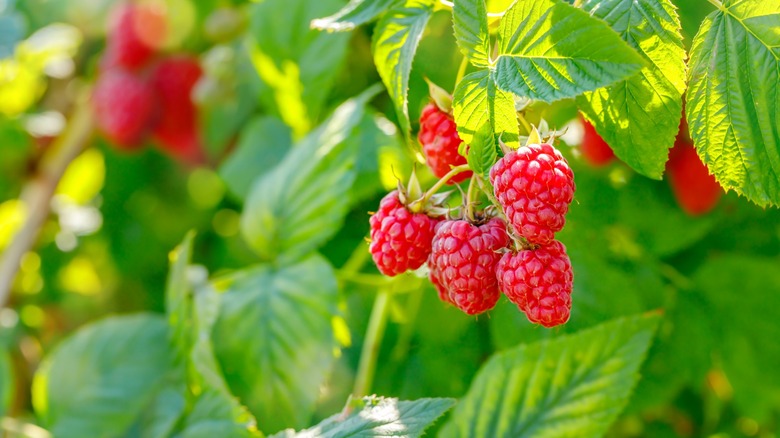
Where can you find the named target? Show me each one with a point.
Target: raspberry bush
(469, 218)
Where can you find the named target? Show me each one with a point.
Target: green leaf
(7, 386)
(262, 145)
(296, 207)
(299, 64)
(379, 417)
(191, 315)
(574, 385)
(649, 102)
(97, 382)
(395, 41)
(733, 100)
(484, 114)
(550, 50)
(274, 339)
(740, 290)
(469, 19)
(354, 14)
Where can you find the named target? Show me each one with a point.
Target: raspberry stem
(417, 206)
(370, 352)
(471, 199)
(527, 126)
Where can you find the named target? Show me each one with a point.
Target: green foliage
(570, 386)
(484, 114)
(287, 221)
(6, 381)
(262, 145)
(379, 417)
(469, 18)
(99, 380)
(395, 41)
(625, 113)
(274, 339)
(355, 13)
(549, 50)
(733, 106)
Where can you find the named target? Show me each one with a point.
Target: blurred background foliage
(712, 371)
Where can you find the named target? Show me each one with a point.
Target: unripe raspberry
(440, 142)
(594, 149)
(177, 128)
(400, 239)
(464, 260)
(534, 186)
(123, 105)
(539, 281)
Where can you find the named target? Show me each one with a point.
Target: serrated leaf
(192, 312)
(571, 386)
(262, 144)
(354, 14)
(394, 44)
(733, 99)
(484, 114)
(469, 19)
(550, 50)
(379, 417)
(97, 382)
(274, 339)
(649, 102)
(7, 386)
(302, 202)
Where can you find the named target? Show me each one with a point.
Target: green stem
(417, 205)
(37, 193)
(371, 344)
(464, 63)
(401, 349)
(471, 198)
(524, 122)
(356, 260)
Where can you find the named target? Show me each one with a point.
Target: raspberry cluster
(472, 257)
(141, 93)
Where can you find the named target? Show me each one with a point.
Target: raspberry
(535, 186)
(123, 106)
(594, 149)
(440, 142)
(136, 32)
(400, 239)
(177, 129)
(696, 190)
(444, 294)
(540, 283)
(463, 262)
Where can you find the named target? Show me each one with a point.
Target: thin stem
(36, 195)
(370, 353)
(524, 122)
(356, 260)
(471, 198)
(417, 205)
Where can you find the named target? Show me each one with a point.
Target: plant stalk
(36, 195)
(373, 340)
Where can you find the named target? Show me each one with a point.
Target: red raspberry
(440, 142)
(696, 190)
(464, 259)
(594, 149)
(136, 32)
(444, 294)
(400, 239)
(123, 106)
(177, 129)
(539, 281)
(535, 186)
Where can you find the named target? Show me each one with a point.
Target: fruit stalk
(417, 206)
(36, 195)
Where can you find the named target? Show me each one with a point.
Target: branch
(36, 195)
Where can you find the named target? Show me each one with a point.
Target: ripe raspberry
(136, 32)
(540, 283)
(440, 142)
(594, 149)
(177, 129)
(400, 239)
(444, 294)
(123, 106)
(535, 186)
(696, 190)
(464, 259)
